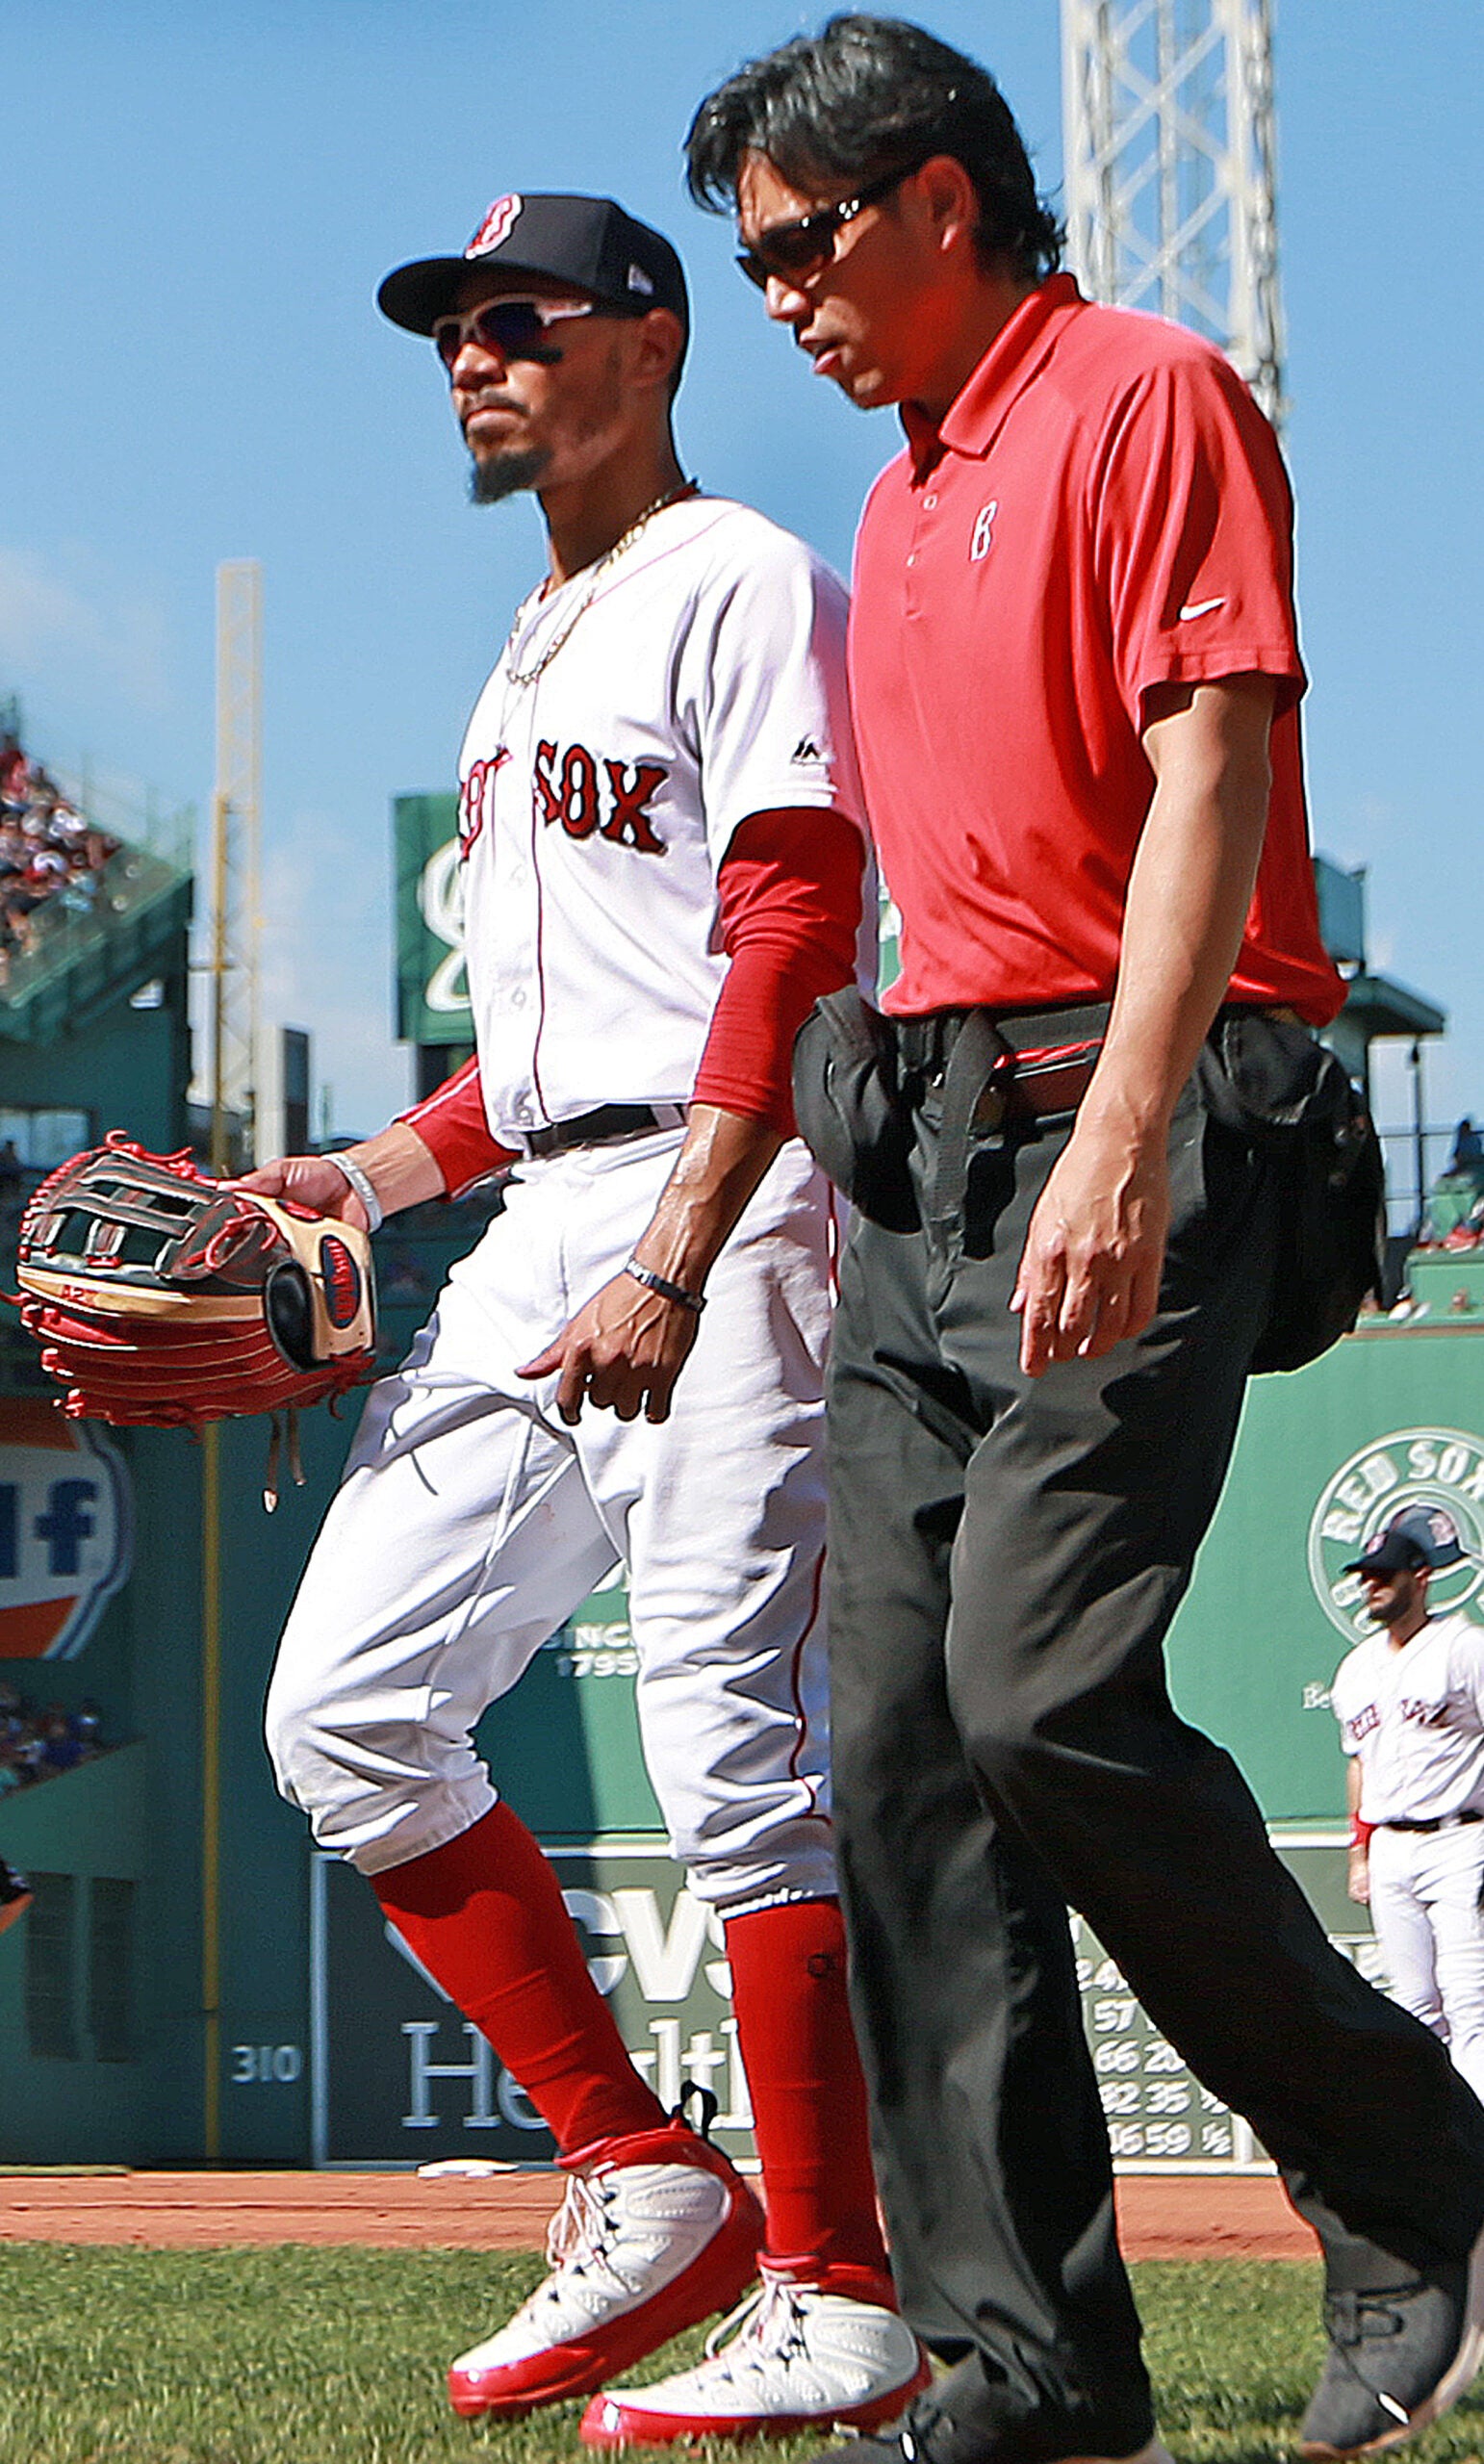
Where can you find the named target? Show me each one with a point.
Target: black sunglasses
(515, 328)
(792, 251)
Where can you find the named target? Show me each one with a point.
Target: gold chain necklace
(521, 676)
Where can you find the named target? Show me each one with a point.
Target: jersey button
(518, 998)
(929, 502)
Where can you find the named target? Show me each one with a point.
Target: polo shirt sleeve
(1192, 520)
(763, 689)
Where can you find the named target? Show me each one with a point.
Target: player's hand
(1089, 1272)
(308, 1180)
(623, 1352)
(1357, 1877)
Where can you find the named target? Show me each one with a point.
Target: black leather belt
(604, 1121)
(1439, 1822)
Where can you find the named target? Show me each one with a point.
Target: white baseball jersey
(701, 680)
(1416, 1719)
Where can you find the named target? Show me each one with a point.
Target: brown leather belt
(1043, 1060)
(1045, 1066)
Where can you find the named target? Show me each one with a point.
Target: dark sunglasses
(515, 328)
(795, 250)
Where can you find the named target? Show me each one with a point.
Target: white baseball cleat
(657, 2231)
(793, 2357)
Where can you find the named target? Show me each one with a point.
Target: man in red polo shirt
(1076, 677)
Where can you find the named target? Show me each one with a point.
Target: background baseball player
(1410, 1702)
(662, 869)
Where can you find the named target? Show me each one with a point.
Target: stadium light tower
(1171, 179)
(235, 857)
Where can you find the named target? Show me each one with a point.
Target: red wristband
(1360, 1832)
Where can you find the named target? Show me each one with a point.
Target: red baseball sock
(484, 1915)
(808, 2096)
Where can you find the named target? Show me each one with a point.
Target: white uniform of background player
(1410, 1702)
(645, 776)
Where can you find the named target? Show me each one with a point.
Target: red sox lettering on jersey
(586, 794)
(473, 799)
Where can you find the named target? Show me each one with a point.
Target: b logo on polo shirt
(983, 539)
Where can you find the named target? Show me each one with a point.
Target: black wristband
(694, 1301)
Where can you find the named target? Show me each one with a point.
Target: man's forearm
(1188, 895)
(724, 1158)
(399, 1168)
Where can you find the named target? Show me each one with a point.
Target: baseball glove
(163, 1297)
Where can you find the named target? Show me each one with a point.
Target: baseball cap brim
(415, 296)
(1392, 1557)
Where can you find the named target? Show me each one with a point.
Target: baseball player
(1410, 1702)
(662, 867)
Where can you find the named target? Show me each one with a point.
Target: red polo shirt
(1103, 510)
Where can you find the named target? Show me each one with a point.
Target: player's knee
(309, 1746)
(737, 1870)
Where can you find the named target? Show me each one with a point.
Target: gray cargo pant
(1006, 1556)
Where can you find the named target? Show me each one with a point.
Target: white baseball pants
(470, 1524)
(1426, 1888)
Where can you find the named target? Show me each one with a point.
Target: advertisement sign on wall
(399, 2076)
(66, 1529)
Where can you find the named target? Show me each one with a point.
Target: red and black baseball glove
(163, 1297)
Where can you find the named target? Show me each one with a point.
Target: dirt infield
(1161, 2217)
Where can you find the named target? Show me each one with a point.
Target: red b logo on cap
(497, 226)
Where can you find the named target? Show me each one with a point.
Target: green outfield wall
(328, 2045)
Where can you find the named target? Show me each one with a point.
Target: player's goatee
(506, 474)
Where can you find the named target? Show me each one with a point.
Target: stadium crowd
(36, 1742)
(49, 853)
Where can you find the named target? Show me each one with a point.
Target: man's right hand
(311, 1181)
(1358, 1877)
(399, 1168)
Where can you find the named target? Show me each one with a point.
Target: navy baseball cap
(586, 241)
(1421, 1535)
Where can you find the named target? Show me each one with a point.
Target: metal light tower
(235, 856)
(1171, 169)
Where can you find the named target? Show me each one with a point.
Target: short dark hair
(865, 94)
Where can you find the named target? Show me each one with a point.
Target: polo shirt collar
(1018, 351)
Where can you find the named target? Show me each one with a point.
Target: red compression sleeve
(451, 1124)
(790, 892)
(808, 2096)
(484, 1915)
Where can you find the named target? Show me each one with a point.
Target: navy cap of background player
(1421, 1535)
(586, 241)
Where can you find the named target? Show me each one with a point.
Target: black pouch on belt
(1270, 1082)
(848, 1105)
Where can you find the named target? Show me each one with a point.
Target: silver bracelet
(694, 1301)
(361, 1183)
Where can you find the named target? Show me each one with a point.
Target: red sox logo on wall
(1441, 1470)
(65, 1530)
(498, 224)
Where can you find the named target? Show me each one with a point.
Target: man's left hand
(1090, 1273)
(623, 1352)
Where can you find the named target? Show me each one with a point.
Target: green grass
(296, 2356)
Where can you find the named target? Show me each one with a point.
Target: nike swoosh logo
(1200, 607)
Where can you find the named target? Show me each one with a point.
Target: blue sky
(196, 207)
